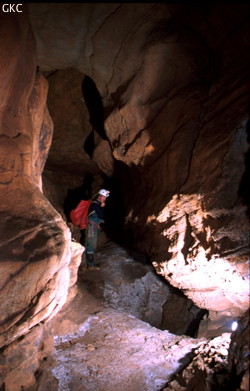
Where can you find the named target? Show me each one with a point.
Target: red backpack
(79, 215)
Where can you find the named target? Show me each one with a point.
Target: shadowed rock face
(173, 83)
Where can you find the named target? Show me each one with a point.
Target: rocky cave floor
(108, 337)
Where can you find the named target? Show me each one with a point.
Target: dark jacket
(95, 212)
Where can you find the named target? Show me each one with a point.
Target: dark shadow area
(193, 327)
(177, 375)
(139, 256)
(74, 196)
(114, 211)
(188, 324)
(94, 104)
(244, 188)
(95, 108)
(231, 384)
(89, 144)
(117, 208)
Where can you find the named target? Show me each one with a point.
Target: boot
(90, 262)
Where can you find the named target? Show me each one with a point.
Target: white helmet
(104, 192)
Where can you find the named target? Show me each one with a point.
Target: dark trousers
(91, 243)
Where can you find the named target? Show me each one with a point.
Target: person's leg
(91, 245)
(90, 259)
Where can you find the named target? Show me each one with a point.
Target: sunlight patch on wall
(195, 262)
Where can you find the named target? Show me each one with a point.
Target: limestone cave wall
(173, 82)
(35, 241)
(175, 121)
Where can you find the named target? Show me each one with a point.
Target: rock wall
(176, 118)
(35, 242)
(175, 102)
(175, 105)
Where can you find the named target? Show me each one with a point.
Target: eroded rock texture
(35, 242)
(172, 88)
(175, 100)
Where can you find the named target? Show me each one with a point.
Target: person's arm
(95, 214)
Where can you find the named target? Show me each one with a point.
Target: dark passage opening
(115, 209)
(94, 105)
(244, 189)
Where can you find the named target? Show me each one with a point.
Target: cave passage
(127, 280)
(162, 126)
(94, 105)
(132, 287)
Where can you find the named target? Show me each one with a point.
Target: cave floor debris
(98, 347)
